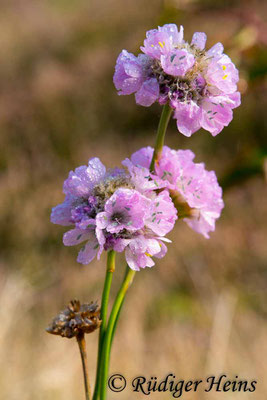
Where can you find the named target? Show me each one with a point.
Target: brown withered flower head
(76, 319)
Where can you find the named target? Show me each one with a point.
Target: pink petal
(188, 117)
(199, 40)
(148, 93)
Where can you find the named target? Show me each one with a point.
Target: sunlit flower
(199, 84)
(118, 209)
(194, 190)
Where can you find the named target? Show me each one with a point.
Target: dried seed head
(76, 319)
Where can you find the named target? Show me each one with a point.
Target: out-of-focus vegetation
(202, 309)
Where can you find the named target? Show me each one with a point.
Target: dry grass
(201, 310)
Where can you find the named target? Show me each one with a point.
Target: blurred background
(202, 309)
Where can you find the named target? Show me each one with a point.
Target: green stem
(82, 347)
(110, 329)
(163, 123)
(116, 322)
(103, 315)
(119, 312)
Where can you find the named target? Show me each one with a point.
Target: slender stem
(82, 346)
(116, 322)
(163, 123)
(106, 290)
(119, 312)
(109, 332)
(103, 315)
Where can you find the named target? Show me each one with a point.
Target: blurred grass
(58, 107)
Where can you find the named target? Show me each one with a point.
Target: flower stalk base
(82, 346)
(110, 329)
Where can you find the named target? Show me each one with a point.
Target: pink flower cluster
(115, 209)
(199, 84)
(195, 191)
(132, 209)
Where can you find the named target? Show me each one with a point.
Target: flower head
(126, 209)
(194, 190)
(199, 84)
(76, 319)
(118, 209)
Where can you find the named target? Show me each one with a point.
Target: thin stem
(116, 322)
(109, 332)
(103, 315)
(82, 346)
(163, 123)
(119, 312)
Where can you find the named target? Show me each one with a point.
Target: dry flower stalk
(76, 320)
